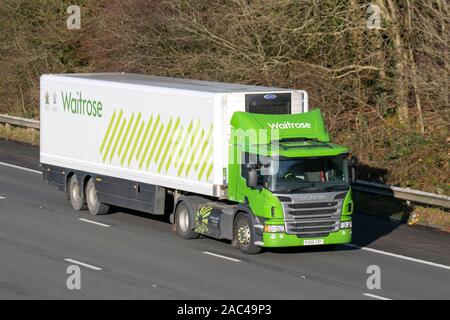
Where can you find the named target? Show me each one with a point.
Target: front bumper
(276, 240)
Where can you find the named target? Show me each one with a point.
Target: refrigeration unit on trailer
(249, 164)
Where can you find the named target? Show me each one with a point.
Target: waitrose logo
(77, 105)
(289, 125)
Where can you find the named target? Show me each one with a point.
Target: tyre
(184, 220)
(244, 233)
(75, 195)
(95, 207)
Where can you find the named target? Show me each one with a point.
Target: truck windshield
(305, 175)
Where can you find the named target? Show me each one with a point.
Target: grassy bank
(402, 211)
(24, 135)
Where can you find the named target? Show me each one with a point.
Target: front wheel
(244, 234)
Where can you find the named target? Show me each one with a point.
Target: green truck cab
(292, 179)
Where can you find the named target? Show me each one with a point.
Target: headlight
(273, 228)
(346, 225)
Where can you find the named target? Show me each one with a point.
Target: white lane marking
(399, 256)
(375, 296)
(21, 168)
(221, 256)
(83, 264)
(94, 222)
(2, 198)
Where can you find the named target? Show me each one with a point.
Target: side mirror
(354, 161)
(252, 178)
(352, 168)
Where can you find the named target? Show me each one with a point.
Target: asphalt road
(136, 256)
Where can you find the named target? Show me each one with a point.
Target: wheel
(184, 219)
(244, 233)
(74, 190)
(95, 207)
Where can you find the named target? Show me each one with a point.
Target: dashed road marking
(221, 256)
(94, 222)
(19, 167)
(399, 256)
(83, 264)
(375, 296)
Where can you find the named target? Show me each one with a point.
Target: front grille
(312, 205)
(312, 219)
(308, 213)
(311, 227)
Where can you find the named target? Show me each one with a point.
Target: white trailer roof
(175, 83)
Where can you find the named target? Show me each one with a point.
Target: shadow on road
(161, 218)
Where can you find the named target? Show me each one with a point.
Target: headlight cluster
(273, 228)
(346, 225)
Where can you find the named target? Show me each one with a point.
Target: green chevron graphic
(144, 138)
(176, 143)
(155, 145)
(135, 143)
(168, 145)
(113, 134)
(125, 136)
(201, 219)
(130, 139)
(107, 131)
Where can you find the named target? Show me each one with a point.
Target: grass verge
(25, 135)
(401, 211)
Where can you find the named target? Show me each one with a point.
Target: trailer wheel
(244, 233)
(75, 197)
(95, 207)
(184, 219)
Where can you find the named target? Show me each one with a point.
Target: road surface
(132, 255)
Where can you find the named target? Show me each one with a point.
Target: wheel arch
(245, 209)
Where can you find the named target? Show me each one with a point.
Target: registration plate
(312, 242)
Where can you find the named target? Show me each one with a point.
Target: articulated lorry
(249, 164)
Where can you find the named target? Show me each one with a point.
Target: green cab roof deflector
(289, 135)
